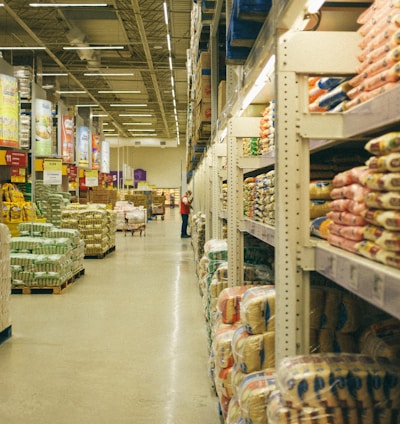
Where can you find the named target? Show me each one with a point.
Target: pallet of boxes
(103, 196)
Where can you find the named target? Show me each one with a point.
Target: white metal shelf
(256, 162)
(263, 232)
(376, 283)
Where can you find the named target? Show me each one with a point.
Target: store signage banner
(43, 128)
(83, 151)
(9, 112)
(19, 159)
(96, 151)
(91, 178)
(67, 139)
(139, 175)
(105, 157)
(52, 171)
(18, 175)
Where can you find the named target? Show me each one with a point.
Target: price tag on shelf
(354, 281)
(378, 289)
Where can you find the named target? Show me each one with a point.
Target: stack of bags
(379, 69)
(328, 94)
(253, 349)
(51, 202)
(366, 206)
(267, 129)
(198, 232)
(251, 146)
(224, 196)
(249, 193)
(5, 277)
(335, 317)
(264, 198)
(96, 225)
(335, 388)
(121, 208)
(382, 180)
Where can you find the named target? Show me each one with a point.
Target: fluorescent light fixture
(128, 105)
(169, 42)
(140, 129)
(137, 123)
(1, 4)
(110, 135)
(165, 13)
(170, 63)
(71, 91)
(108, 74)
(108, 130)
(68, 4)
(93, 48)
(88, 105)
(314, 5)
(144, 135)
(136, 115)
(53, 74)
(23, 48)
(99, 115)
(119, 91)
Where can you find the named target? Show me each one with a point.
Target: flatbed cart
(158, 210)
(135, 221)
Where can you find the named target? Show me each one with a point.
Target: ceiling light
(23, 48)
(144, 135)
(165, 13)
(140, 129)
(135, 114)
(128, 105)
(53, 74)
(71, 92)
(119, 91)
(93, 48)
(108, 130)
(68, 4)
(88, 105)
(314, 5)
(137, 123)
(99, 115)
(108, 74)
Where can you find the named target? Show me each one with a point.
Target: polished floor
(125, 343)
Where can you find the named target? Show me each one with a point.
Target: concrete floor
(125, 343)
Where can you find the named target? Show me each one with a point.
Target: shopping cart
(135, 220)
(158, 210)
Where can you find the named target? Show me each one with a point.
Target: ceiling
(139, 27)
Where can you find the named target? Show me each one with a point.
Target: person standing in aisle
(185, 206)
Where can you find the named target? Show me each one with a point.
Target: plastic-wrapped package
(319, 227)
(389, 240)
(234, 412)
(383, 200)
(222, 346)
(253, 352)
(223, 382)
(355, 191)
(384, 144)
(382, 339)
(371, 250)
(320, 189)
(228, 305)
(343, 243)
(346, 218)
(253, 395)
(390, 162)
(382, 181)
(338, 380)
(351, 232)
(318, 208)
(257, 309)
(389, 220)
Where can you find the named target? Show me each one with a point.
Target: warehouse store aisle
(124, 344)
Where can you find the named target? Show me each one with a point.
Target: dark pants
(185, 219)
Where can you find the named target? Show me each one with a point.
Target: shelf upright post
(235, 206)
(292, 176)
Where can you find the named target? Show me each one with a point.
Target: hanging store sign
(52, 171)
(9, 112)
(105, 157)
(19, 159)
(83, 153)
(43, 128)
(96, 151)
(67, 139)
(91, 178)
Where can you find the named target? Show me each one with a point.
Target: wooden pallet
(47, 289)
(101, 255)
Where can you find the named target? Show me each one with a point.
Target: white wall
(163, 166)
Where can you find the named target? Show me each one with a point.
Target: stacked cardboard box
(105, 196)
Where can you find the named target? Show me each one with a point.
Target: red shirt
(185, 208)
